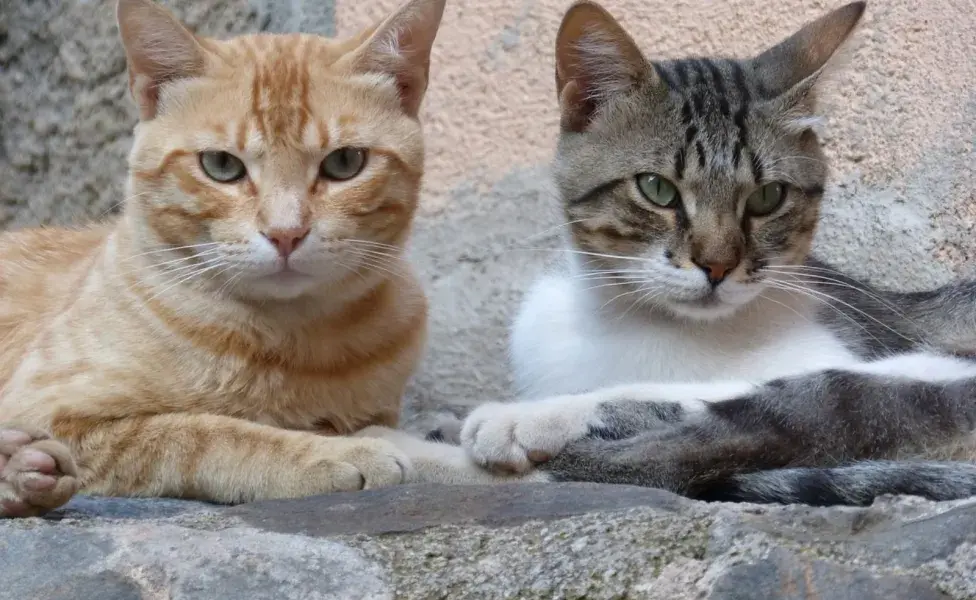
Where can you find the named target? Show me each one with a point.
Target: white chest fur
(563, 342)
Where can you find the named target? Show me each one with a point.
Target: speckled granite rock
(518, 541)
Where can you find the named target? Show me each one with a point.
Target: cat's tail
(857, 484)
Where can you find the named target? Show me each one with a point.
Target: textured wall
(901, 135)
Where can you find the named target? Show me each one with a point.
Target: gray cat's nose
(716, 270)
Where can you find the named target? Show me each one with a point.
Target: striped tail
(857, 484)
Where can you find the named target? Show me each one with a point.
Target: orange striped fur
(168, 352)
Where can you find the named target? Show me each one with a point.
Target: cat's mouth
(709, 300)
(286, 275)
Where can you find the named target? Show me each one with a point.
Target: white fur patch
(563, 343)
(920, 366)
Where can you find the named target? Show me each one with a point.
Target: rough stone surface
(520, 541)
(901, 136)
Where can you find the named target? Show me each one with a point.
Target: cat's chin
(282, 286)
(710, 308)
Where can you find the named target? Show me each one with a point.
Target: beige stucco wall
(901, 134)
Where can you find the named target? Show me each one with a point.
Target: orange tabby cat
(252, 293)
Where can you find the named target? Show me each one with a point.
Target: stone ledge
(512, 541)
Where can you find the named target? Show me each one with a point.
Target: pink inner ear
(578, 107)
(411, 85)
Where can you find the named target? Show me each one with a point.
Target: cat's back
(40, 269)
(38, 263)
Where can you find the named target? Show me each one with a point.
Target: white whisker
(583, 253)
(824, 280)
(174, 249)
(185, 279)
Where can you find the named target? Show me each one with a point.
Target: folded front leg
(517, 436)
(917, 407)
(221, 459)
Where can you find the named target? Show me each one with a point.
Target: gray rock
(162, 560)
(413, 508)
(513, 541)
(84, 507)
(785, 576)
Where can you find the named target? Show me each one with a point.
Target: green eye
(766, 199)
(342, 164)
(222, 166)
(658, 190)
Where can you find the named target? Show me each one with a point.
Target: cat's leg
(809, 434)
(516, 436)
(37, 473)
(221, 459)
(441, 462)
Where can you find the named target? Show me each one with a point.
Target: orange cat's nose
(286, 240)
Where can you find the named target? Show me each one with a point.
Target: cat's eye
(658, 190)
(222, 166)
(342, 164)
(765, 200)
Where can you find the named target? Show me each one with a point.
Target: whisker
(551, 229)
(120, 203)
(377, 264)
(775, 285)
(787, 306)
(604, 285)
(621, 295)
(356, 241)
(178, 260)
(174, 248)
(854, 308)
(229, 283)
(185, 279)
(182, 268)
(838, 283)
(582, 252)
(650, 294)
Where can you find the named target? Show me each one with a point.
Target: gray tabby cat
(691, 344)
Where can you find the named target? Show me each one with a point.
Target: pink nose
(286, 240)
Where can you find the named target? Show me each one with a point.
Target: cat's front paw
(37, 474)
(361, 464)
(517, 436)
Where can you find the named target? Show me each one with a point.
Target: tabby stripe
(665, 76)
(813, 190)
(686, 114)
(682, 69)
(762, 90)
(718, 81)
(698, 98)
(679, 163)
(740, 122)
(690, 134)
(700, 148)
(757, 170)
(736, 154)
(599, 190)
(739, 78)
(717, 78)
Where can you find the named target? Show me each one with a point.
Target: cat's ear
(595, 60)
(400, 47)
(791, 69)
(158, 49)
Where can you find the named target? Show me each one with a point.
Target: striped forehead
(715, 96)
